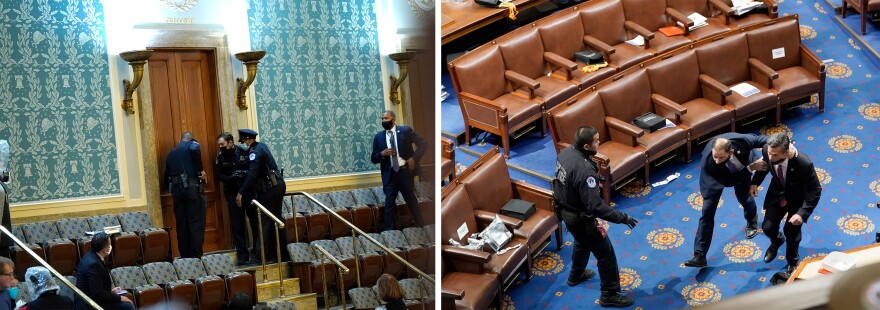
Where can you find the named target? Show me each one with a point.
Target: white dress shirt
(388, 135)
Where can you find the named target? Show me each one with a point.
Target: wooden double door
(185, 97)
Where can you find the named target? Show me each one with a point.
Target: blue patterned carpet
(841, 142)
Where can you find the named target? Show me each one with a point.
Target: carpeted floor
(840, 142)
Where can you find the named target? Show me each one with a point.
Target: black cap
(244, 134)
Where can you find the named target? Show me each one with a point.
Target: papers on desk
(107, 230)
(741, 7)
(637, 41)
(698, 19)
(744, 89)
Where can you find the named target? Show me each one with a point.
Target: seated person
(390, 293)
(93, 278)
(8, 284)
(44, 291)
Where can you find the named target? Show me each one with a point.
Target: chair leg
(687, 157)
(559, 237)
(467, 134)
(528, 267)
(606, 192)
(505, 143)
(543, 125)
(863, 20)
(843, 9)
(779, 113)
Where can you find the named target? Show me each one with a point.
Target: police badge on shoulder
(591, 182)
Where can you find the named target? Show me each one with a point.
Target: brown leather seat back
(587, 111)
(650, 14)
(677, 78)
(482, 73)
(489, 185)
(628, 97)
(687, 7)
(726, 60)
(563, 35)
(456, 209)
(603, 20)
(524, 53)
(785, 35)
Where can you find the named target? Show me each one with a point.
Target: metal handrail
(359, 231)
(52, 270)
(278, 225)
(342, 271)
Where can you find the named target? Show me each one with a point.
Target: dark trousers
(237, 224)
(588, 239)
(189, 216)
(773, 214)
(710, 204)
(401, 182)
(271, 199)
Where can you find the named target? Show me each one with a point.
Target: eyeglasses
(11, 274)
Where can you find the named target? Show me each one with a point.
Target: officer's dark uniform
(182, 168)
(267, 183)
(576, 190)
(232, 167)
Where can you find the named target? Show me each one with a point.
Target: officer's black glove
(630, 221)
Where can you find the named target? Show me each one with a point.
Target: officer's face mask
(244, 147)
(387, 125)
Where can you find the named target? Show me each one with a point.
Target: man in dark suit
(93, 278)
(398, 161)
(794, 190)
(728, 160)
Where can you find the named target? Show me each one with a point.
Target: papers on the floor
(741, 7)
(443, 93)
(744, 89)
(637, 41)
(698, 19)
(826, 61)
(668, 179)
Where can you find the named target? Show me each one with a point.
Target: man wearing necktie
(794, 190)
(728, 161)
(398, 162)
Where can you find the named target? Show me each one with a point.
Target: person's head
(240, 301)
(187, 136)
(587, 139)
(101, 244)
(388, 118)
(224, 141)
(247, 136)
(777, 147)
(721, 150)
(39, 281)
(389, 289)
(7, 273)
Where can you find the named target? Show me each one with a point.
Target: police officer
(232, 167)
(579, 202)
(267, 183)
(186, 176)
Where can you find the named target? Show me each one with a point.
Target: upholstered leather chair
(132, 279)
(308, 267)
(726, 63)
(488, 96)
(707, 8)
(371, 263)
(563, 35)
(801, 73)
(391, 265)
(221, 265)
(605, 30)
(447, 159)
(364, 298)
(863, 7)
(75, 230)
(404, 218)
(457, 211)
(361, 214)
(177, 289)
(418, 236)
(317, 222)
(653, 15)
(523, 53)
(425, 195)
(294, 223)
(156, 242)
(413, 290)
(490, 187)
(337, 227)
(468, 290)
(365, 196)
(630, 97)
(349, 279)
(281, 305)
(417, 255)
(211, 289)
(22, 259)
(750, 18)
(126, 245)
(61, 253)
(619, 154)
(677, 79)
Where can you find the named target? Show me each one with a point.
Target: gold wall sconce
(137, 60)
(402, 59)
(250, 60)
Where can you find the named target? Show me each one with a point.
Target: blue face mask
(243, 146)
(13, 292)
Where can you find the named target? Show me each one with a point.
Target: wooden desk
(809, 269)
(461, 18)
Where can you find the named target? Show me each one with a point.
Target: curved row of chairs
(508, 83)
(415, 292)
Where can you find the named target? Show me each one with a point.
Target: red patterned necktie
(781, 178)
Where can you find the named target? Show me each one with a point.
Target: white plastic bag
(496, 235)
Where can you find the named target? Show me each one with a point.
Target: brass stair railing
(278, 225)
(342, 271)
(52, 270)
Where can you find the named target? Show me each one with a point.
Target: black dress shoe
(771, 253)
(575, 279)
(790, 269)
(697, 261)
(751, 232)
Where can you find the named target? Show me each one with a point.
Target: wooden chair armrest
(772, 7)
(599, 45)
(462, 254)
(811, 62)
(638, 29)
(721, 6)
(542, 198)
(486, 103)
(624, 127)
(560, 61)
(451, 294)
(714, 85)
(762, 68)
(521, 79)
(667, 103)
(677, 16)
(486, 217)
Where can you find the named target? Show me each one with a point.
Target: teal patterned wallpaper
(55, 105)
(319, 89)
